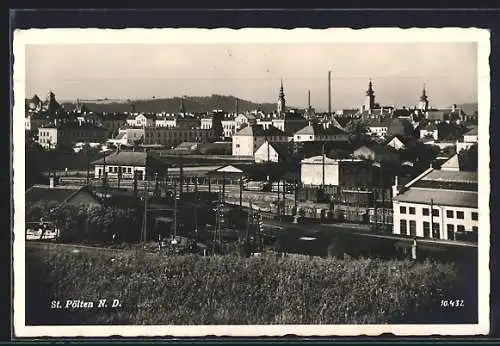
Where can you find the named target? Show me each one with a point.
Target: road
(358, 230)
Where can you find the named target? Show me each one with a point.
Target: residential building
(57, 195)
(67, 134)
(206, 122)
(34, 121)
(246, 119)
(247, 140)
(321, 133)
(396, 143)
(471, 135)
(272, 152)
(322, 170)
(430, 131)
(123, 164)
(438, 204)
(376, 152)
(228, 124)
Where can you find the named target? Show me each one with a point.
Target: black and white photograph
(253, 182)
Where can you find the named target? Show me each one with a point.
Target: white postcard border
(208, 36)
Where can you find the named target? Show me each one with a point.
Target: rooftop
(259, 131)
(44, 193)
(439, 197)
(451, 176)
(318, 129)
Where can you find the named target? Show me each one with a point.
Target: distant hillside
(469, 108)
(171, 105)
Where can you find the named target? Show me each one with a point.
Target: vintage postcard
(254, 182)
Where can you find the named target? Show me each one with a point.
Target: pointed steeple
(281, 99)
(424, 96)
(370, 91)
(423, 105)
(182, 107)
(370, 98)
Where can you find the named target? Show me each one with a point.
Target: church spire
(182, 107)
(281, 99)
(424, 96)
(370, 98)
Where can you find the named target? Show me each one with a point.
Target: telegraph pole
(241, 191)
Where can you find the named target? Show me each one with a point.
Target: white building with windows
(438, 204)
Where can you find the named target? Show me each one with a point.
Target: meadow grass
(187, 290)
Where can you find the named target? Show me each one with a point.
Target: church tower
(281, 100)
(423, 104)
(182, 107)
(369, 98)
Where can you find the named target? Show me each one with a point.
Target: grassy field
(233, 290)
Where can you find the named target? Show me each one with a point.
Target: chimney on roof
(52, 182)
(329, 92)
(395, 187)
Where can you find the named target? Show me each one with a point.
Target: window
(435, 230)
(449, 214)
(412, 210)
(237, 145)
(474, 229)
(425, 211)
(129, 170)
(427, 229)
(450, 230)
(402, 210)
(413, 227)
(474, 216)
(460, 228)
(310, 137)
(460, 215)
(403, 227)
(435, 212)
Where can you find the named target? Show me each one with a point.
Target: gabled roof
(453, 164)
(472, 131)
(57, 194)
(129, 158)
(378, 149)
(187, 146)
(378, 122)
(430, 127)
(453, 198)
(319, 130)
(258, 131)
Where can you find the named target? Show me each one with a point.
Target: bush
(235, 290)
(96, 223)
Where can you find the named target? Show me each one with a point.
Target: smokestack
(329, 92)
(308, 100)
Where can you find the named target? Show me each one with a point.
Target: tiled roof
(451, 176)
(126, 158)
(317, 129)
(258, 131)
(430, 127)
(439, 197)
(472, 131)
(43, 193)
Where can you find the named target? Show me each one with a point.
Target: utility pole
(181, 174)
(174, 233)
(383, 195)
(241, 191)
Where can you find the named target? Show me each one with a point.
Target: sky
(253, 72)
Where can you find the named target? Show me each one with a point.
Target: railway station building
(438, 204)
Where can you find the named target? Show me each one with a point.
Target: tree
(357, 131)
(468, 159)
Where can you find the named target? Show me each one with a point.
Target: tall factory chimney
(329, 92)
(308, 102)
